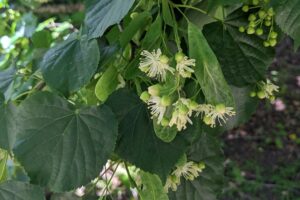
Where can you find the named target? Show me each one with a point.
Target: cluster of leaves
(63, 114)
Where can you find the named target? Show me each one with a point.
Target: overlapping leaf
(62, 147)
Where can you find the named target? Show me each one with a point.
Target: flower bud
(207, 120)
(164, 59)
(145, 96)
(166, 100)
(261, 95)
(165, 122)
(154, 90)
(179, 57)
(221, 108)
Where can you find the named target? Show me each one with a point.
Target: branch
(59, 9)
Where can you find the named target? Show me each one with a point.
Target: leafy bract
(207, 70)
(62, 147)
(8, 126)
(102, 14)
(137, 142)
(243, 57)
(152, 187)
(14, 190)
(71, 64)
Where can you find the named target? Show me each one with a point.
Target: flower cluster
(189, 170)
(260, 21)
(266, 90)
(170, 108)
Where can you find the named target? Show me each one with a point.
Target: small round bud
(253, 94)
(179, 57)
(273, 42)
(165, 122)
(201, 165)
(252, 24)
(255, 2)
(268, 23)
(154, 90)
(134, 15)
(272, 98)
(166, 101)
(273, 35)
(271, 12)
(266, 44)
(242, 29)
(164, 59)
(145, 96)
(207, 120)
(245, 8)
(261, 14)
(193, 105)
(250, 31)
(261, 95)
(252, 17)
(183, 109)
(221, 108)
(259, 31)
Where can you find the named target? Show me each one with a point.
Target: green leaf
(152, 187)
(107, 83)
(167, 15)
(62, 147)
(151, 39)
(166, 134)
(207, 70)
(137, 142)
(102, 14)
(65, 196)
(288, 17)
(8, 126)
(243, 57)
(2, 98)
(138, 23)
(71, 64)
(42, 39)
(3, 169)
(7, 78)
(15, 190)
(209, 184)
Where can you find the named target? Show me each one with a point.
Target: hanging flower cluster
(189, 170)
(266, 90)
(171, 109)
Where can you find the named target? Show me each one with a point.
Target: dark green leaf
(8, 126)
(7, 78)
(151, 39)
(288, 18)
(42, 39)
(209, 184)
(207, 70)
(152, 187)
(138, 23)
(71, 64)
(166, 134)
(2, 98)
(138, 143)
(243, 57)
(65, 196)
(62, 147)
(102, 14)
(167, 15)
(14, 190)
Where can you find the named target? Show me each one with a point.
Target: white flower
(267, 89)
(190, 170)
(157, 109)
(218, 113)
(155, 65)
(181, 115)
(184, 67)
(203, 109)
(172, 182)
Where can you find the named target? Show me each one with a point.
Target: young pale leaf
(138, 23)
(138, 143)
(62, 147)
(8, 126)
(15, 190)
(152, 187)
(207, 70)
(102, 14)
(107, 83)
(71, 64)
(243, 58)
(288, 18)
(209, 184)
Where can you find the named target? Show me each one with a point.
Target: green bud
(154, 90)
(266, 44)
(252, 24)
(259, 31)
(261, 95)
(134, 15)
(164, 59)
(261, 14)
(145, 96)
(273, 42)
(268, 23)
(166, 101)
(273, 35)
(253, 94)
(179, 57)
(193, 105)
(271, 12)
(242, 29)
(221, 108)
(252, 17)
(207, 120)
(255, 2)
(201, 165)
(245, 8)
(183, 109)
(165, 122)
(250, 31)
(272, 98)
